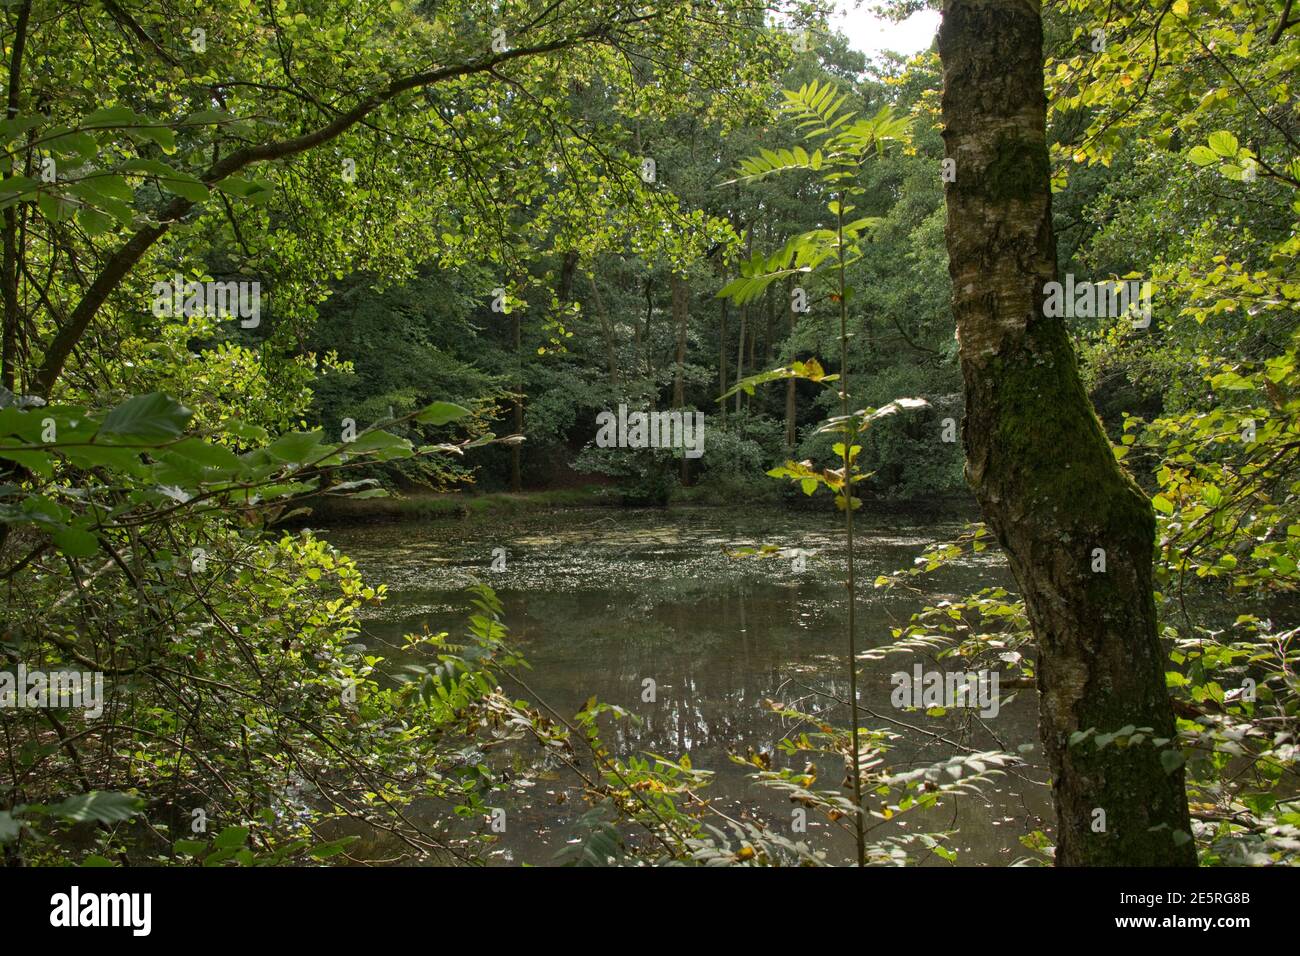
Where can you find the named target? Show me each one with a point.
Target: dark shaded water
(602, 600)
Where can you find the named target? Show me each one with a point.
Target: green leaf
(1224, 144)
(114, 187)
(100, 806)
(205, 454)
(164, 136)
(376, 440)
(93, 221)
(10, 129)
(169, 178)
(230, 838)
(296, 447)
(109, 116)
(187, 187)
(126, 460)
(72, 143)
(36, 461)
(207, 117)
(857, 225)
(326, 850)
(245, 432)
(146, 418)
(76, 542)
(54, 207)
(217, 857)
(17, 185)
(440, 413)
(253, 190)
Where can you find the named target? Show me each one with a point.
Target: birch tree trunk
(1039, 462)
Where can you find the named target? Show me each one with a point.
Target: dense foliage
(471, 220)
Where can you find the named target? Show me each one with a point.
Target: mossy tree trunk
(1040, 464)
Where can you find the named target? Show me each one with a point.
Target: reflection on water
(600, 601)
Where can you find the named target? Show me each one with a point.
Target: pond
(602, 600)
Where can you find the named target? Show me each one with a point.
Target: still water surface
(600, 600)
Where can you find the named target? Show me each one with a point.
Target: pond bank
(425, 505)
(428, 505)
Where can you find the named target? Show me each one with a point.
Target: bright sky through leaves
(872, 34)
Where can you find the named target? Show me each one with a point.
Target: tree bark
(740, 354)
(722, 361)
(647, 340)
(681, 294)
(516, 464)
(790, 394)
(9, 266)
(680, 299)
(744, 317)
(1039, 462)
(606, 331)
(753, 338)
(767, 332)
(790, 401)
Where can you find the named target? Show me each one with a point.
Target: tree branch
(120, 263)
(9, 268)
(1284, 23)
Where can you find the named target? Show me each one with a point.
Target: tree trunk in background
(740, 354)
(744, 318)
(606, 331)
(767, 332)
(645, 337)
(9, 297)
(722, 361)
(568, 268)
(1040, 463)
(9, 269)
(790, 436)
(681, 295)
(753, 339)
(516, 471)
(564, 293)
(790, 393)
